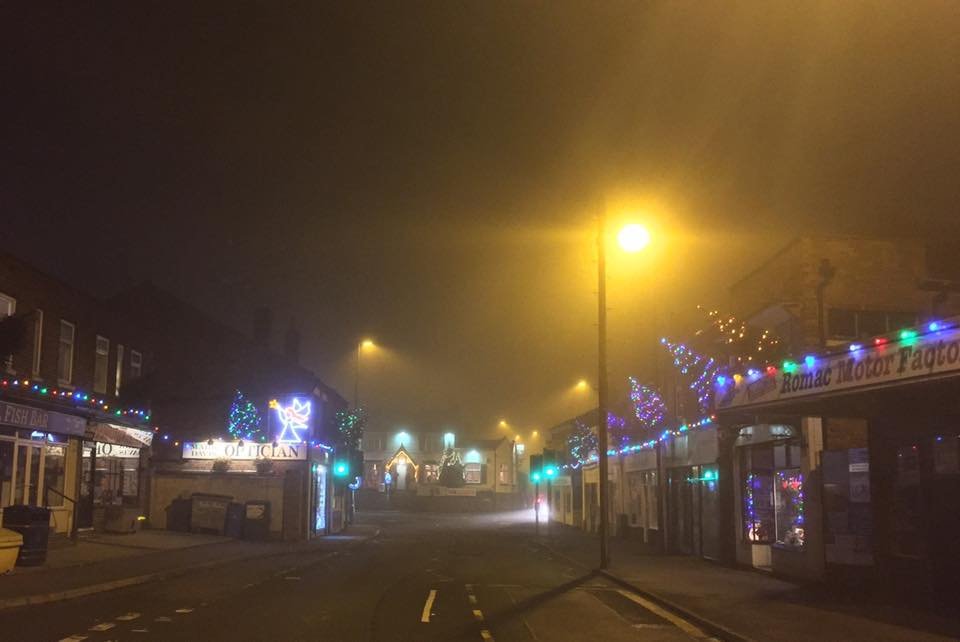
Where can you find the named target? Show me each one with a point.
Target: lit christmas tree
(648, 406)
(451, 469)
(244, 421)
(350, 425)
(583, 443)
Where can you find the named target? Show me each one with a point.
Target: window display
(772, 487)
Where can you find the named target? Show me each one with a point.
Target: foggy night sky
(427, 173)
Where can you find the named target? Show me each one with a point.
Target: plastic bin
(10, 543)
(208, 513)
(256, 522)
(235, 518)
(33, 523)
(178, 515)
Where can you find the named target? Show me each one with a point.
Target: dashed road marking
(478, 615)
(127, 617)
(292, 577)
(139, 630)
(184, 611)
(472, 598)
(103, 626)
(162, 618)
(76, 637)
(428, 606)
(677, 621)
(485, 634)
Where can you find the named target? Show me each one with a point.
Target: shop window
(472, 473)
(772, 488)
(906, 503)
(946, 455)
(116, 479)
(54, 465)
(68, 333)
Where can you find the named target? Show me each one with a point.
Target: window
(136, 364)
(119, 378)
(8, 305)
(773, 495)
(68, 334)
(54, 465)
(472, 473)
(37, 341)
(859, 324)
(101, 364)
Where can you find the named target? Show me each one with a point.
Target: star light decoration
(700, 368)
(648, 405)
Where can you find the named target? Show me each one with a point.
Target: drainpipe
(827, 272)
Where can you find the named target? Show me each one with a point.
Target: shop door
(27, 475)
(320, 499)
(85, 500)
(680, 509)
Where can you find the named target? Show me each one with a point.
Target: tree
(583, 443)
(451, 469)
(244, 421)
(349, 433)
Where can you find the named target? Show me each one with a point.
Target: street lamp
(632, 238)
(364, 346)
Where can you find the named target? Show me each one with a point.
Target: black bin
(178, 514)
(256, 522)
(33, 522)
(235, 518)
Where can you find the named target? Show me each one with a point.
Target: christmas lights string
(906, 337)
(648, 405)
(701, 368)
(77, 398)
(244, 421)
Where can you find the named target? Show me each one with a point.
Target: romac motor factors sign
(911, 356)
(243, 450)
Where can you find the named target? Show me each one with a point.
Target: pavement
(103, 562)
(753, 605)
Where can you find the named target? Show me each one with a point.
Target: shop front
(848, 464)
(641, 478)
(692, 494)
(38, 455)
(113, 468)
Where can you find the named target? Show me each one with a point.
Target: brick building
(68, 441)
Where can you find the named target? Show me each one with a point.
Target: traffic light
(536, 468)
(341, 468)
(550, 467)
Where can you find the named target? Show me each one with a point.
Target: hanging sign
(113, 450)
(248, 450)
(910, 357)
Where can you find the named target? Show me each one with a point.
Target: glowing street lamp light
(366, 345)
(633, 237)
(582, 385)
(503, 423)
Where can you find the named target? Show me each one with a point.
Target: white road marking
(162, 618)
(76, 637)
(478, 615)
(677, 621)
(428, 606)
(485, 634)
(472, 598)
(127, 617)
(184, 611)
(140, 630)
(103, 626)
(292, 577)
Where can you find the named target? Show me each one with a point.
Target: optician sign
(243, 450)
(910, 357)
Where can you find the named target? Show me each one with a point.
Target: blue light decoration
(243, 421)
(648, 405)
(294, 418)
(810, 361)
(703, 369)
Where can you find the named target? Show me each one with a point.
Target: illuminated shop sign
(292, 416)
(243, 450)
(913, 356)
(12, 414)
(113, 450)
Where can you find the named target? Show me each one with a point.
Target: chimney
(262, 326)
(291, 343)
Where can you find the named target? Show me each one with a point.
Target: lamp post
(366, 344)
(632, 238)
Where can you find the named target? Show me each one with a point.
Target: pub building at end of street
(279, 479)
(847, 465)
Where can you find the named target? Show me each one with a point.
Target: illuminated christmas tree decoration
(294, 419)
(648, 405)
(244, 421)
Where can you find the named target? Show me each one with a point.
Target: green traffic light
(535, 477)
(341, 469)
(550, 471)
